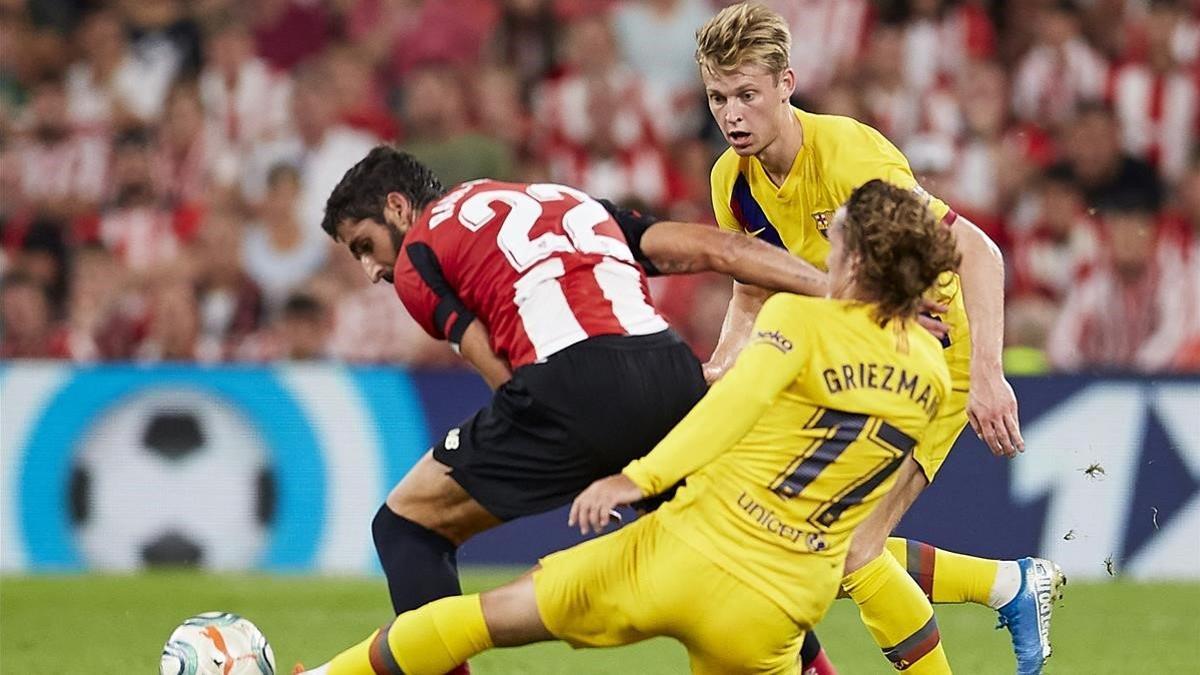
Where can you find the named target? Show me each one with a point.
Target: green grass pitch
(116, 624)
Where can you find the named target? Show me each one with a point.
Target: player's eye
(716, 100)
(748, 96)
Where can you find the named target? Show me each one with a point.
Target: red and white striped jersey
(1159, 115)
(1050, 83)
(543, 266)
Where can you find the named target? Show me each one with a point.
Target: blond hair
(746, 33)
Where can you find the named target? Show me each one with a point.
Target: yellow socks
(432, 640)
(947, 577)
(898, 615)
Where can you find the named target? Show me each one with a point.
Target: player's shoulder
(799, 310)
(837, 135)
(726, 169)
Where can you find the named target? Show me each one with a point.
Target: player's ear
(787, 84)
(398, 209)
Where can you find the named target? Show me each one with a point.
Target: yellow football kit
(783, 457)
(839, 154)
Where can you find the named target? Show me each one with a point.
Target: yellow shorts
(643, 581)
(944, 430)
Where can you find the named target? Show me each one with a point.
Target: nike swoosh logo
(757, 232)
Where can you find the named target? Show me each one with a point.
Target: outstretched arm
(680, 248)
(992, 406)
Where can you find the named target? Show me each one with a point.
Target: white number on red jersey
(545, 312)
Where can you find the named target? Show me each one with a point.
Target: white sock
(1006, 586)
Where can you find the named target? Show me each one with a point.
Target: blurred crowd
(164, 163)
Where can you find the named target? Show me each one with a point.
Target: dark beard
(397, 239)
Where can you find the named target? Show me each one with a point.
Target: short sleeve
(883, 160)
(427, 295)
(724, 174)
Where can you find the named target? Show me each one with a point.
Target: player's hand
(926, 317)
(992, 411)
(594, 507)
(714, 369)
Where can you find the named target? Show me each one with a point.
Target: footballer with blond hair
(784, 175)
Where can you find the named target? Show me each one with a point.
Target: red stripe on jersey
(543, 266)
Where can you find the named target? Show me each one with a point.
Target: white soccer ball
(217, 643)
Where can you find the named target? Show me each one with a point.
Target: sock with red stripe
(432, 640)
(813, 660)
(948, 577)
(898, 616)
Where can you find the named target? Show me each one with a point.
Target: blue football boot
(1027, 616)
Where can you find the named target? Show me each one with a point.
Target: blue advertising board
(282, 468)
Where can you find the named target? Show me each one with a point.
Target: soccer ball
(172, 476)
(217, 643)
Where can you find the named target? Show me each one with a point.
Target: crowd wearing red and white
(164, 164)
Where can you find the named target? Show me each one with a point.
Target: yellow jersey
(790, 450)
(839, 154)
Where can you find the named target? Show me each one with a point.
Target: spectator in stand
(1060, 71)
(828, 37)
(112, 86)
(1157, 99)
(44, 256)
(300, 334)
(362, 99)
(1048, 259)
(1061, 246)
(246, 101)
(319, 145)
(139, 225)
(942, 38)
(61, 171)
(229, 303)
(526, 38)
(163, 33)
(27, 328)
(305, 329)
(106, 317)
(276, 252)
(173, 328)
(187, 168)
(504, 118)
(1101, 167)
(604, 130)
(893, 107)
(1189, 198)
(403, 34)
(1128, 313)
(288, 32)
(657, 39)
(986, 161)
(440, 133)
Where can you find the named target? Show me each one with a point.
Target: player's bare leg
(428, 496)
(432, 639)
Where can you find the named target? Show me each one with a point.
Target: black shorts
(583, 414)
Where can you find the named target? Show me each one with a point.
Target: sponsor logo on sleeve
(775, 339)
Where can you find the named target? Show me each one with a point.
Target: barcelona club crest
(823, 219)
